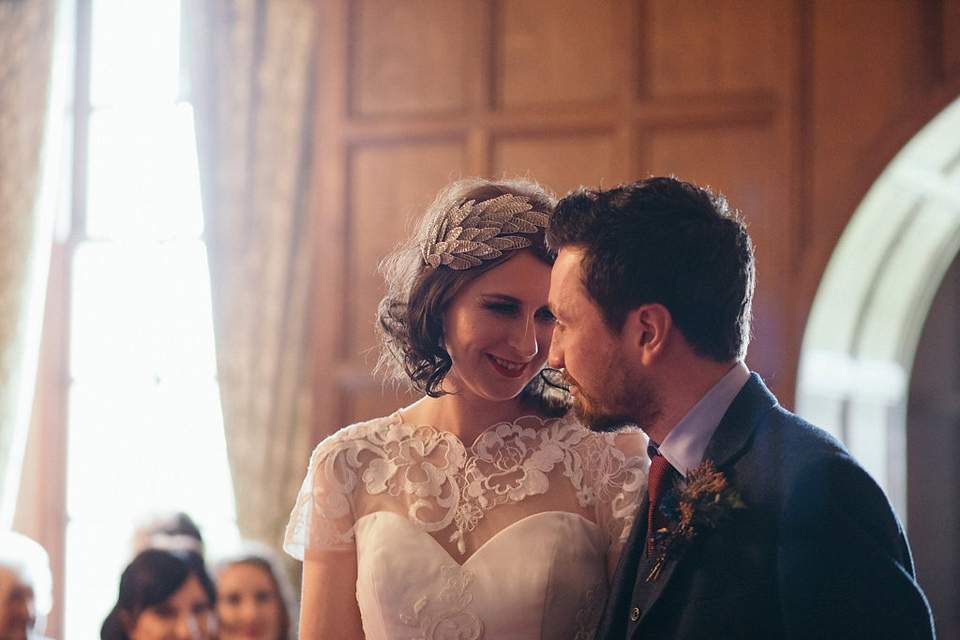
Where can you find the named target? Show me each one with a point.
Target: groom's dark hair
(665, 241)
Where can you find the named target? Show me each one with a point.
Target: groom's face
(608, 393)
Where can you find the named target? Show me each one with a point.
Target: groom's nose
(555, 355)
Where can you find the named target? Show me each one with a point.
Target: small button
(634, 614)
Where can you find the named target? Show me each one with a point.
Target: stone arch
(869, 310)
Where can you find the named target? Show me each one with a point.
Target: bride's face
(497, 329)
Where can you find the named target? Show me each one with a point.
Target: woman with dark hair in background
(163, 595)
(482, 510)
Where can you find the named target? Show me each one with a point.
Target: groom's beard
(636, 404)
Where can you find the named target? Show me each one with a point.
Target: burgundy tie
(658, 485)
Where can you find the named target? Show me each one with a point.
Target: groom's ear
(646, 331)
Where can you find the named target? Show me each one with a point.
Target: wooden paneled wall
(790, 108)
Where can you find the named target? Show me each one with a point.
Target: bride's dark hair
(410, 316)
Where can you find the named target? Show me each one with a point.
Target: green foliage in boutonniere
(695, 504)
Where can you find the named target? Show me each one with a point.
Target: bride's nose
(523, 337)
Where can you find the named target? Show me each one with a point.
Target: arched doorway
(860, 350)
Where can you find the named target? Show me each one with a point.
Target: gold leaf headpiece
(474, 232)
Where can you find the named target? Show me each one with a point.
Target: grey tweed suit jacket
(817, 553)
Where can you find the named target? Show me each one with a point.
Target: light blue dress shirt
(685, 444)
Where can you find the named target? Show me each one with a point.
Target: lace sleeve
(323, 516)
(620, 480)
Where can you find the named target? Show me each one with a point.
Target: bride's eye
(501, 308)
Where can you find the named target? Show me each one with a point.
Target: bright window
(144, 422)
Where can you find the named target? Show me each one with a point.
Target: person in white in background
(26, 588)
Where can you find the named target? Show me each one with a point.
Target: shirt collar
(685, 444)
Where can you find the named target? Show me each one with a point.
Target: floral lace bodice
(430, 477)
(506, 538)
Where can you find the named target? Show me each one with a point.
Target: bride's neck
(465, 418)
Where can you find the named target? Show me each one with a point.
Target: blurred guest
(254, 596)
(26, 589)
(171, 531)
(163, 595)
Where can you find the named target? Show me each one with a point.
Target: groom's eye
(546, 315)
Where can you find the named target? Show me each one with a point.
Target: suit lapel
(737, 425)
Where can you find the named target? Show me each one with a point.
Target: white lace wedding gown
(507, 538)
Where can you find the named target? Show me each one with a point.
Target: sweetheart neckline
(590, 525)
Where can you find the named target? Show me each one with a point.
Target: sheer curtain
(249, 71)
(26, 222)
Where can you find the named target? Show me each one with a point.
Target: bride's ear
(646, 331)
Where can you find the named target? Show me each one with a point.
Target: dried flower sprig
(697, 503)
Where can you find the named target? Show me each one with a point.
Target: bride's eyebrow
(499, 297)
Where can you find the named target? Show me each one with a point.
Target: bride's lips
(508, 368)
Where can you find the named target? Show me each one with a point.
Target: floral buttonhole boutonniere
(695, 504)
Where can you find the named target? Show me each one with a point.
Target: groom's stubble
(630, 401)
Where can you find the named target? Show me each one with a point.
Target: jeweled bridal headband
(474, 232)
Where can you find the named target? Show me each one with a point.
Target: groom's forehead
(564, 275)
(568, 265)
(568, 294)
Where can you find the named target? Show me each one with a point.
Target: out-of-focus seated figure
(171, 531)
(254, 596)
(26, 587)
(163, 594)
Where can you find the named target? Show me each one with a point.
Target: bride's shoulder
(356, 433)
(630, 441)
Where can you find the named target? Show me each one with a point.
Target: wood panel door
(415, 93)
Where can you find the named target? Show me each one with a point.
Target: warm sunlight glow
(145, 426)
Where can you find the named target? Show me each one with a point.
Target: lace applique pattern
(444, 483)
(589, 615)
(453, 621)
